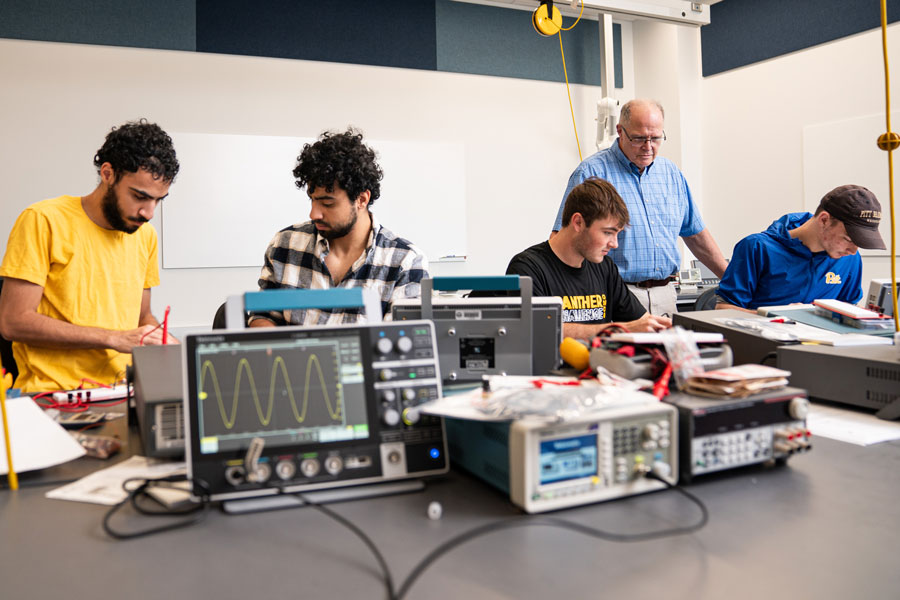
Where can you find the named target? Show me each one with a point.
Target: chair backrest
(6, 353)
(219, 319)
(707, 300)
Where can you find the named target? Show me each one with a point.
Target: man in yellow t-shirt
(78, 270)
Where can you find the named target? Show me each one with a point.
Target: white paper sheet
(37, 440)
(851, 426)
(105, 486)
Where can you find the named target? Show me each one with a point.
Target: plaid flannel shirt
(295, 258)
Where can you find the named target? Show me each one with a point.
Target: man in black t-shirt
(571, 265)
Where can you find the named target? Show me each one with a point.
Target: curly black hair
(342, 159)
(139, 145)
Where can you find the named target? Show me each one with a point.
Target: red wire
(148, 333)
(539, 383)
(661, 387)
(612, 328)
(78, 406)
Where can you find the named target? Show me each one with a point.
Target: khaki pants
(659, 301)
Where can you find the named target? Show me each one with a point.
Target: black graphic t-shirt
(592, 294)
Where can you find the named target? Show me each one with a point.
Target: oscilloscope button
(404, 345)
(384, 345)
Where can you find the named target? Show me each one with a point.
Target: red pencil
(166, 326)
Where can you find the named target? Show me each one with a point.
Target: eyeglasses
(641, 140)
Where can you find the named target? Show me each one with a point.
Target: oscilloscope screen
(287, 391)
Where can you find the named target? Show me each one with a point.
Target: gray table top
(823, 526)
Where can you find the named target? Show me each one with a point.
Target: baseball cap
(860, 212)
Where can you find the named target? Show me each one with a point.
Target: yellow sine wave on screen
(278, 366)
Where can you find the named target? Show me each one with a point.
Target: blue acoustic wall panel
(162, 24)
(743, 32)
(496, 41)
(400, 33)
(420, 34)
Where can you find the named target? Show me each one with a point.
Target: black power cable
(135, 497)
(382, 563)
(416, 572)
(525, 521)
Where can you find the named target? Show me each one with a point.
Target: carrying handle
(295, 299)
(485, 283)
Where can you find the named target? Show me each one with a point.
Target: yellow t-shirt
(91, 276)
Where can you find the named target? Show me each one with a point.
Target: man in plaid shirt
(342, 245)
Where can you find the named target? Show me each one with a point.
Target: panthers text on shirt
(584, 309)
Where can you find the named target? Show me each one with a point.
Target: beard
(338, 231)
(110, 207)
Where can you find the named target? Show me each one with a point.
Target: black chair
(6, 353)
(707, 300)
(219, 319)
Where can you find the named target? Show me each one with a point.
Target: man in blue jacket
(803, 257)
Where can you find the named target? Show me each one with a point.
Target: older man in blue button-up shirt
(659, 203)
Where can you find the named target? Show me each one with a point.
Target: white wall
(752, 131)
(58, 101)
(670, 72)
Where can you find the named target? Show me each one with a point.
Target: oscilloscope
(292, 409)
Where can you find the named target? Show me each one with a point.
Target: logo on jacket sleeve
(832, 278)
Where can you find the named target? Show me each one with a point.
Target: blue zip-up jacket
(772, 268)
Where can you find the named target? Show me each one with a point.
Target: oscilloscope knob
(391, 417)
(334, 464)
(285, 469)
(404, 345)
(409, 394)
(411, 415)
(388, 395)
(386, 374)
(384, 345)
(309, 467)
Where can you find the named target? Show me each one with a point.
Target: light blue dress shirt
(660, 207)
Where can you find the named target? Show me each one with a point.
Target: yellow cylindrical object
(575, 353)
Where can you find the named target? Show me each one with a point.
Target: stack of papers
(849, 314)
(737, 382)
(800, 332)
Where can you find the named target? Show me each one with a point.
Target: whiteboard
(234, 192)
(845, 152)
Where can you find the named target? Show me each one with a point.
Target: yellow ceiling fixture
(547, 19)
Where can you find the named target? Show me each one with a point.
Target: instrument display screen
(568, 458)
(295, 388)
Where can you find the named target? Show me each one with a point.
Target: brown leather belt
(651, 283)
